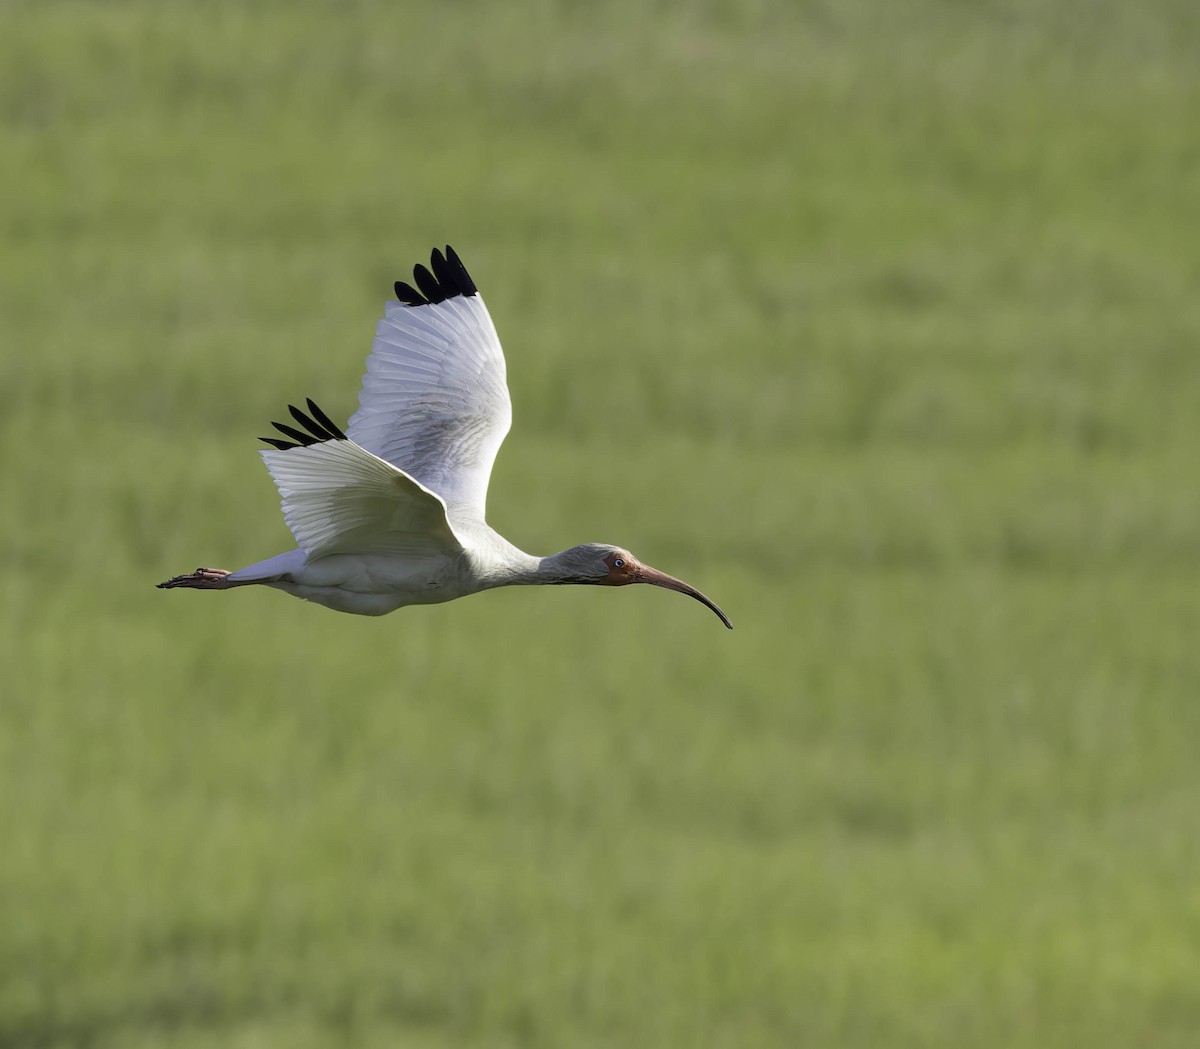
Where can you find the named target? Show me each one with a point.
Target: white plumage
(392, 512)
(435, 397)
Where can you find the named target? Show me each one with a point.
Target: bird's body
(392, 512)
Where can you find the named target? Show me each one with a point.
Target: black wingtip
(317, 428)
(465, 283)
(427, 284)
(409, 295)
(445, 278)
(298, 436)
(330, 426)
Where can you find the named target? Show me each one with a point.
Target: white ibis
(391, 512)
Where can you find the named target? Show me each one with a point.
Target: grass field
(877, 322)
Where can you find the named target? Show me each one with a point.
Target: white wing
(434, 400)
(338, 498)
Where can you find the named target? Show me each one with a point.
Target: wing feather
(434, 399)
(338, 498)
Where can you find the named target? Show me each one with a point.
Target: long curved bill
(646, 574)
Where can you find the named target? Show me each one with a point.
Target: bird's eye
(618, 562)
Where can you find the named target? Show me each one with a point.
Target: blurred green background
(878, 322)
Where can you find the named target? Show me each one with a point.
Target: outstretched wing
(338, 498)
(434, 400)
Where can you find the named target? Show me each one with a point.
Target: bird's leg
(201, 579)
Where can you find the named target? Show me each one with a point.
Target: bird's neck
(516, 568)
(494, 562)
(502, 564)
(553, 569)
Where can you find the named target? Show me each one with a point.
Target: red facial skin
(624, 568)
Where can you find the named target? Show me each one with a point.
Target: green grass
(877, 322)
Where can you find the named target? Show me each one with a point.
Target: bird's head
(604, 565)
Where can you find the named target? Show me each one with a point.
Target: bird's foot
(201, 579)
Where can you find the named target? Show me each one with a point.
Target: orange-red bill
(646, 574)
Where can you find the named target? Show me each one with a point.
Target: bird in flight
(391, 512)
